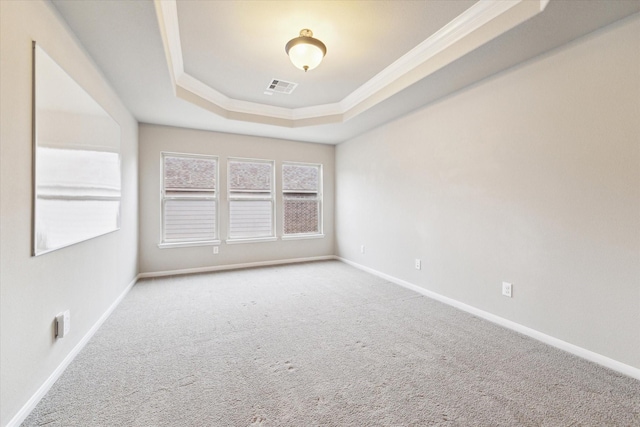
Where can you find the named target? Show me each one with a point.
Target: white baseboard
(233, 266)
(547, 339)
(44, 388)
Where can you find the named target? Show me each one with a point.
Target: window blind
(189, 205)
(250, 199)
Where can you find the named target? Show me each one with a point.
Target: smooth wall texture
(156, 139)
(530, 177)
(85, 278)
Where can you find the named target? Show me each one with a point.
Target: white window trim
(189, 244)
(320, 233)
(302, 236)
(272, 198)
(250, 240)
(166, 245)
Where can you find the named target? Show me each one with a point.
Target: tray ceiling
(206, 64)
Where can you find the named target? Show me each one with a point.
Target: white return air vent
(280, 86)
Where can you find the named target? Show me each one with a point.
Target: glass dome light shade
(306, 52)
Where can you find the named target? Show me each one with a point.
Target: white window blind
(189, 198)
(301, 188)
(251, 201)
(189, 220)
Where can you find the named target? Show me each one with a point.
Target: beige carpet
(320, 344)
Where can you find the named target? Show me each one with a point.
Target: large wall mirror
(77, 186)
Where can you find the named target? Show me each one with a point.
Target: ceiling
(206, 64)
(237, 47)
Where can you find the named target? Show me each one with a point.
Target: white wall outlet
(361, 249)
(216, 249)
(63, 324)
(507, 289)
(418, 264)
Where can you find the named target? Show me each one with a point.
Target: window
(302, 194)
(189, 199)
(251, 200)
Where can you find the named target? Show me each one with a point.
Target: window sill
(251, 240)
(302, 236)
(168, 245)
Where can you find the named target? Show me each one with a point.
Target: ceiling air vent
(280, 86)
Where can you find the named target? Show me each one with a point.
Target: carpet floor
(320, 344)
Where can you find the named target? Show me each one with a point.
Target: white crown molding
(472, 19)
(167, 14)
(495, 17)
(190, 83)
(318, 111)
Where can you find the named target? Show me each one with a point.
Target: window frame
(163, 198)
(272, 198)
(320, 197)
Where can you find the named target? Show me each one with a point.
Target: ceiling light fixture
(305, 52)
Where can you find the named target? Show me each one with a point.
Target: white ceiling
(237, 47)
(205, 64)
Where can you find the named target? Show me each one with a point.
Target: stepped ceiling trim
(479, 24)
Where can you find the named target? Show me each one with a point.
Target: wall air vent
(280, 86)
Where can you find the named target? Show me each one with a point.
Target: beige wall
(85, 278)
(155, 139)
(530, 177)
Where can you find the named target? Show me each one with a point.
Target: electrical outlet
(507, 289)
(361, 249)
(216, 250)
(418, 264)
(63, 324)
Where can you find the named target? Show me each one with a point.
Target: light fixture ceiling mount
(304, 51)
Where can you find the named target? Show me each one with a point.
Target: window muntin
(251, 199)
(189, 199)
(302, 199)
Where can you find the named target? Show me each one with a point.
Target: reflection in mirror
(77, 161)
